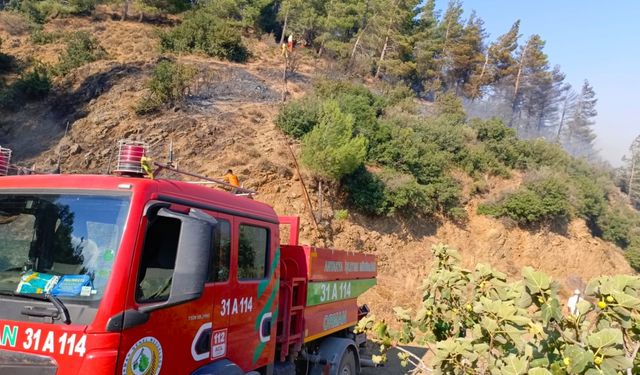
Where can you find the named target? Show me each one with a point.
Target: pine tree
(631, 173)
(303, 19)
(579, 135)
(467, 58)
(427, 48)
(545, 96)
(500, 56)
(533, 71)
(394, 28)
(330, 149)
(451, 30)
(342, 21)
(566, 108)
(499, 72)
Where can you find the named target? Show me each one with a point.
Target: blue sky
(596, 40)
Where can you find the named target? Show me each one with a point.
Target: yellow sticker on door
(144, 358)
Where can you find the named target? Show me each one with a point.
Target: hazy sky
(596, 40)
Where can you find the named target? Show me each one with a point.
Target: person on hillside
(290, 42)
(572, 303)
(231, 179)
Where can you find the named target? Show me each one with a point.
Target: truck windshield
(61, 244)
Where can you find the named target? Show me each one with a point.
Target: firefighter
(290, 42)
(231, 179)
(572, 303)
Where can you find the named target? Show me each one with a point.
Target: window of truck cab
(253, 252)
(160, 251)
(61, 243)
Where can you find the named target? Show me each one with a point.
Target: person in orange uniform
(231, 179)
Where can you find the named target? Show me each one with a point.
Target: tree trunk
(484, 67)
(284, 77)
(363, 29)
(517, 85)
(355, 46)
(383, 53)
(634, 159)
(320, 200)
(519, 75)
(284, 27)
(125, 9)
(141, 16)
(562, 117)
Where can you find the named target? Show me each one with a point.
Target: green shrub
(331, 89)
(39, 36)
(331, 149)
(492, 130)
(592, 198)
(299, 117)
(538, 153)
(167, 86)
(39, 11)
(202, 31)
(396, 94)
(6, 61)
(479, 187)
(632, 254)
(365, 192)
(405, 196)
(81, 49)
(449, 108)
(478, 160)
(33, 84)
(616, 225)
(406, 151)
(536, 202)
(341, 215)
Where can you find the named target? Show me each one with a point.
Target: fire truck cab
(123, 275)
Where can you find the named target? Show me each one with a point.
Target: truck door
(220, 279)
(252, 305)
(173, 339)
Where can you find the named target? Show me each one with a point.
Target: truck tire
(347, 364)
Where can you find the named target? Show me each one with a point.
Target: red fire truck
(123, 274)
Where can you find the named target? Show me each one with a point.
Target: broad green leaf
(524, 301)
(584, 306)
(537, 282)
(540, 362)
(520, 320)
(539, 371)
(605, 337)
(618, 363)
(489, 324)
(551, 310)
(514, 365)
(402, 314)
(579, 357)
(608, 369)
(612, 352)
(625, 300)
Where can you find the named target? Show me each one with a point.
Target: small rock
(75, 149)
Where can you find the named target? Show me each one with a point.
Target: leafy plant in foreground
(477, 322)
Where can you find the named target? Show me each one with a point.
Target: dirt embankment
(227, 122)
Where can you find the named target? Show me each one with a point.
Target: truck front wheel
(347, 364)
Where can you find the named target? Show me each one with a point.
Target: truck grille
(26, 364)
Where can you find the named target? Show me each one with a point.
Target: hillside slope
(227, 122)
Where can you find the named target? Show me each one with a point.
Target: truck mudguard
(221, 367)
(332, 349)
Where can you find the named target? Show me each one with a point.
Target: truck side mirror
(192, 258)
